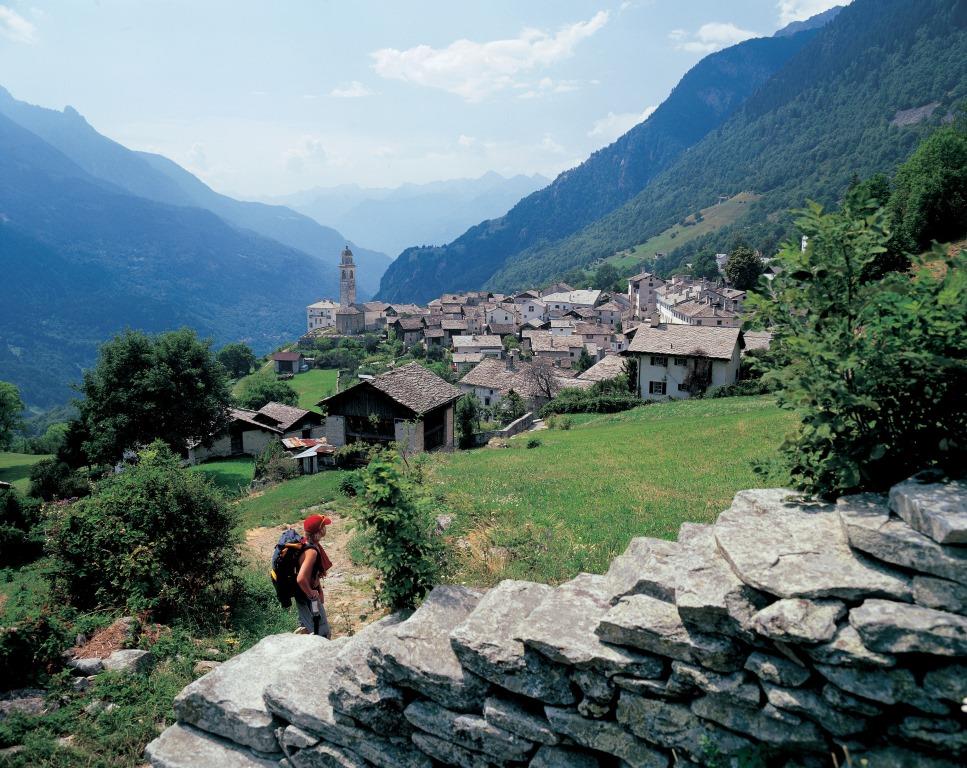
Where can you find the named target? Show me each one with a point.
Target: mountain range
(95, 238)
(390, 219)
(789, 118)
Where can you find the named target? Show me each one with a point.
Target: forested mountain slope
(706, 95)
(842, 107)
(83, 259)
(159, 179)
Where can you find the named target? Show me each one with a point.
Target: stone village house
(249, 432)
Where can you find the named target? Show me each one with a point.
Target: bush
(263, 387)
(52, 479)
(21, 539)
(468, 420)
(274, 464)
(397, 528)
(351, 485)
(590, 401)
(153, 537)
(740, 389)
(534, 443)
(32, 649)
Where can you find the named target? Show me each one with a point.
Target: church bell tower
(347, 279)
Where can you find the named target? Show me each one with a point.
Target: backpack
(285, 566)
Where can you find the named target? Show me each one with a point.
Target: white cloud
(474, 70)
(798, 10)
(197, 157)
(308, 151)
(15, 27)
(466, 141)
(545, 87)
(614, 124)
(355, 90)
(710, 37)
(548, 144)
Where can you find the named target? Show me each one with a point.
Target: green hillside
(15, 469)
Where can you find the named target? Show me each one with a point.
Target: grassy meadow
(574, 502)
(232, 476)
(312, 386)
(15, 469)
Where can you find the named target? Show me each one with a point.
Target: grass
(232, 476)
(15, 468)
(281, 503)
(713, 218)
(574, 502)
(311, 386)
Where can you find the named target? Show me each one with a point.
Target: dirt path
(347, 587)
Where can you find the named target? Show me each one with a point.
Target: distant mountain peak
(813, 22)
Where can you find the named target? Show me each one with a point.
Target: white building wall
(724, 372)
(334, 430)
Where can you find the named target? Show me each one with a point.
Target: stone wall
(797, 632)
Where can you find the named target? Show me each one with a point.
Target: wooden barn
(409, 404)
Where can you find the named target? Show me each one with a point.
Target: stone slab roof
(412, 386)
(608, 368)
(477, 341)
(757, 340)
(686, 341)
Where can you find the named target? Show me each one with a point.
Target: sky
(267, 98)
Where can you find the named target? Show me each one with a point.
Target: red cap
(313, 523)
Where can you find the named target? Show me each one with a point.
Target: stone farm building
(492, 380)
(289, 362)
(250, 431)
(676, 360)
(409, 404)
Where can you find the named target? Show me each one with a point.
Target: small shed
(409, 404)
(289, 362)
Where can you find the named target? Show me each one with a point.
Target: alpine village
(501, 421)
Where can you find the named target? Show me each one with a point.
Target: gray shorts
(306, 618)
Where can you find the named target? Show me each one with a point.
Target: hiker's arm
(305, 574)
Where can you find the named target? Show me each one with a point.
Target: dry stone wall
(792, 631)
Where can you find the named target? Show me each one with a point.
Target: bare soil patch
(347, 587)
(104, 642)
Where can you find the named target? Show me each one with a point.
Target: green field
(714, 217)
(312, 385)
(575, 501)
(15, 468)
(231, 475)
(281, 503)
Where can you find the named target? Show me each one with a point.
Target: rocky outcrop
(792, 629)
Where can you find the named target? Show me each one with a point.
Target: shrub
(263, 387)
(21, 539)
(274, 464)
(740, 389)
(591, 401)
(534, 443)
(52, 479)
(468, 419)
(31, 648)
(153, 537)
(397, 527)
(351, 484)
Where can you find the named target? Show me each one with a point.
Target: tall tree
(264, 388)
(143, 388)
(11, 410)
(743, 267)
(237, 359)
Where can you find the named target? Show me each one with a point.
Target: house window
(659, 360)
(719, 322)
(656, 387)
(698, 322)
(682, 361)
(486, 401)
(306, 433)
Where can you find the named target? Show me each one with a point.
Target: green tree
(585, 360)
(510, 342)
(237, 359)
(512, 407)
(397, 524)
(154, 537)
(704, 265)
(743, 267)
(929, 200)
(263, 387)
(468, 419)
(166, 387)
(606, 277)
(53, 479)
(11, 411)
(21, 539)
(877, 369)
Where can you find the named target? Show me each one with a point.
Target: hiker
(313, 564)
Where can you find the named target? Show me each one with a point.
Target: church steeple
(347, 278)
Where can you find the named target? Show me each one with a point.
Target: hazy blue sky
(262, 98)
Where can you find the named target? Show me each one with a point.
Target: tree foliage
(237, 358)
(397, 523)
(11, 411)
(876, 368)
(153, 537)
(166, 387)
(52, 479)
(743, 267)
(264, 387)
(21, 537)
(468, 419)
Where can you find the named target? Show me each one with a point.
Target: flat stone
(362, 692)
(594, 685)
(327, 756)
(709, 595)
(228, 700)
(563, 757)
(936, 509)
(940, 594)
(26, 701)
(514, 717)
(417, 653)
(469, 731)
(675, 726)
(798, 620)
(132, 661)
(205, 666)
(86, 667)
(449, 753)
(849, 703)
(182, 746)
(872, 529)
(847, 649)
(293, 737)
(652, 625)
(897, 757)
(735, 686)
(82, 684)
(647, 567)
(893, 627)
(776, 670)
(798, 550)
(948, 682)
(886, 686)
(301, 699)
(607, 737)
(562, 628)
(672, 688)
(802, 701)
(485, 644)
(942, 735)
(752, 722)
